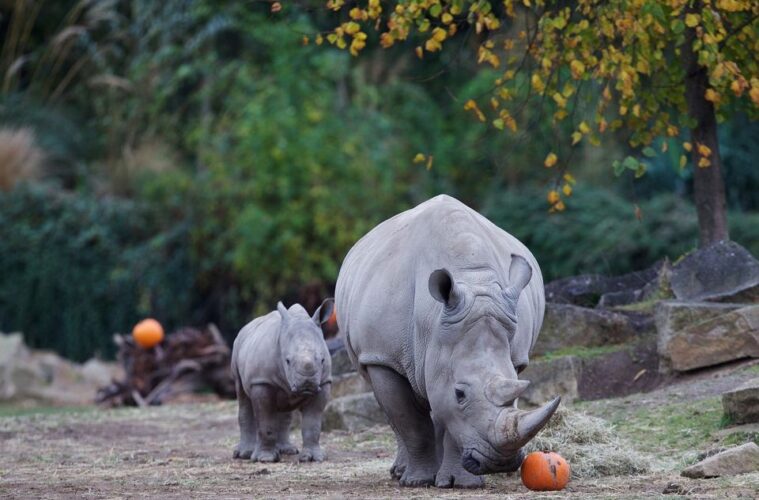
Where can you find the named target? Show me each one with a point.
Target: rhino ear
(520, 274)
(324, 311)
(283, 312)
(442, 288)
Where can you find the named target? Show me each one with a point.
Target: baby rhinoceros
(281, 363)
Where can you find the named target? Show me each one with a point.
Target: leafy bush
(75, 269)
(599, 233)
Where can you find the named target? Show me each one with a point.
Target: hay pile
(590, 445)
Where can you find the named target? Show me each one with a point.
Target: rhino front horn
(516, 428)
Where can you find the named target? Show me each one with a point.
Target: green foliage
(601, 234)
(74, 270)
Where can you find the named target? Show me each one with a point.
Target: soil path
(183, 451)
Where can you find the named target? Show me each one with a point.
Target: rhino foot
(243, 454)
(397, 470)
(418, 478)
(312, 455)
(287, 449)
(265, 456)
(447, 480)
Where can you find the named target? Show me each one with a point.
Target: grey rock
(696, 335)
(18, 376)
(723, 271)
(550, 378)
(99, 372)
(741, 405)
(353, 413)
(566, 325)
(341, 363)
(592, 289)
(348, 384)
(738, 460)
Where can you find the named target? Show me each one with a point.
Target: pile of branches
(187, 360)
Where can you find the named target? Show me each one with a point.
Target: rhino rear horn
(324, 311)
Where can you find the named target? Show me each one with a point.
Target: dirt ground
(182, 451)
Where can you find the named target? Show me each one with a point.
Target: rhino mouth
(478, 463)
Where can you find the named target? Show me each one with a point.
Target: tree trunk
(708, 184)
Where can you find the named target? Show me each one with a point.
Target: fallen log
(187, 360)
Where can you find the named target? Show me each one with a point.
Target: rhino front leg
(284, 445)
(267, 422)
(247, 421)
(311, 426)
(401, 460)
(411, 423)
(452, 473)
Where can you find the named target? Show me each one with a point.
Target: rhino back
(383, 302)
(254, 358)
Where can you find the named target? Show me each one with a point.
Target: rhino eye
(288, 361)
(460, 395)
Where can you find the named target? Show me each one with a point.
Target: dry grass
(591, 446)
(20, 158)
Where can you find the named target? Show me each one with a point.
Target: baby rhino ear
(284, 313)
(324, 311)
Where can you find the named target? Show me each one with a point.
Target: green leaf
(678, 26)
(436, 10)
(649, 151)
(618, 168)
(630, 163)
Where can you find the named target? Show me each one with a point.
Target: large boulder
(741, 405)
(696, 335)
(18, 376)
(551, 378)
(724, 271)
(738, 460)
(341, 363)
(566, 325)
(348, 384)
(353, 413)
(592, 289)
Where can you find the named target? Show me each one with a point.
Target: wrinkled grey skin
(281, 363)
(440, 309)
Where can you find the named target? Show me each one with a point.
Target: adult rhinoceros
(440, 309)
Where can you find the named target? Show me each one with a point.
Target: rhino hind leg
(284, 446)
(248, 429)
(411, 423)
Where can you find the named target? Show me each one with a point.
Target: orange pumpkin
(545, 471)
(147, 333)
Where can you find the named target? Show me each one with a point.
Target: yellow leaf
(470, 104)
(439, 34)
(429, 162)
(704, 162)
(447, 18)
(687, 146)
(319, 39)
(754, 95)
(559, 206)
(550, 160)
(577, 68)
(419, 158)
(672, 130)
(569, 178)
(712, 95)
(602, 125)
(576, 137)
(584, 128)
(560, 100)
(567, 190)
(553, 196)
(304, 40)
(537, 83)
(703, 149)
(691, 20)
(683, 161)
